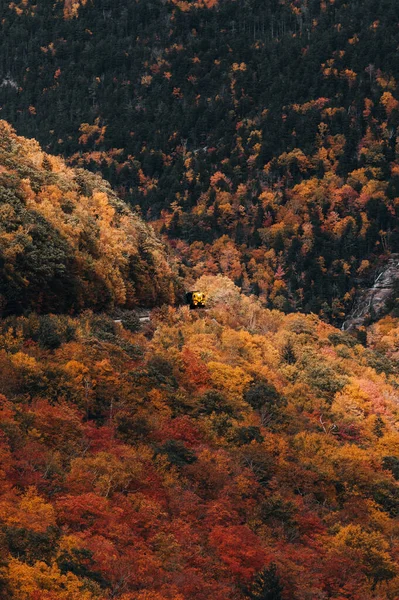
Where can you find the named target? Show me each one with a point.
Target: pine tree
(266, 585)
(379, 427)
(46, 164)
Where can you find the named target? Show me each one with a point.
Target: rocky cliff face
(372, 301)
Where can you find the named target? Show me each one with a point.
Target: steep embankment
(232, 454)
(67, 242)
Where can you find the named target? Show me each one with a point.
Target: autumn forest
(249, 450)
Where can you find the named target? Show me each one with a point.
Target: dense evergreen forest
(259, 136)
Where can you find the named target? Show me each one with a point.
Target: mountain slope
(67, 242)
(232, 453)
(229, 454)
(262, 136)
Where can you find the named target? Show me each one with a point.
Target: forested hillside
(248, 149)
(259, 135)
(68, 243)
(236, 454)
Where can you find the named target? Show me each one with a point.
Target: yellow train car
(196, 299)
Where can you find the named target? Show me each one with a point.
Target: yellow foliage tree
(44, 582)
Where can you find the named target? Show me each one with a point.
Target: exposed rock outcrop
(372, 301)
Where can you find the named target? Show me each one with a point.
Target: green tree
(266, 585)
